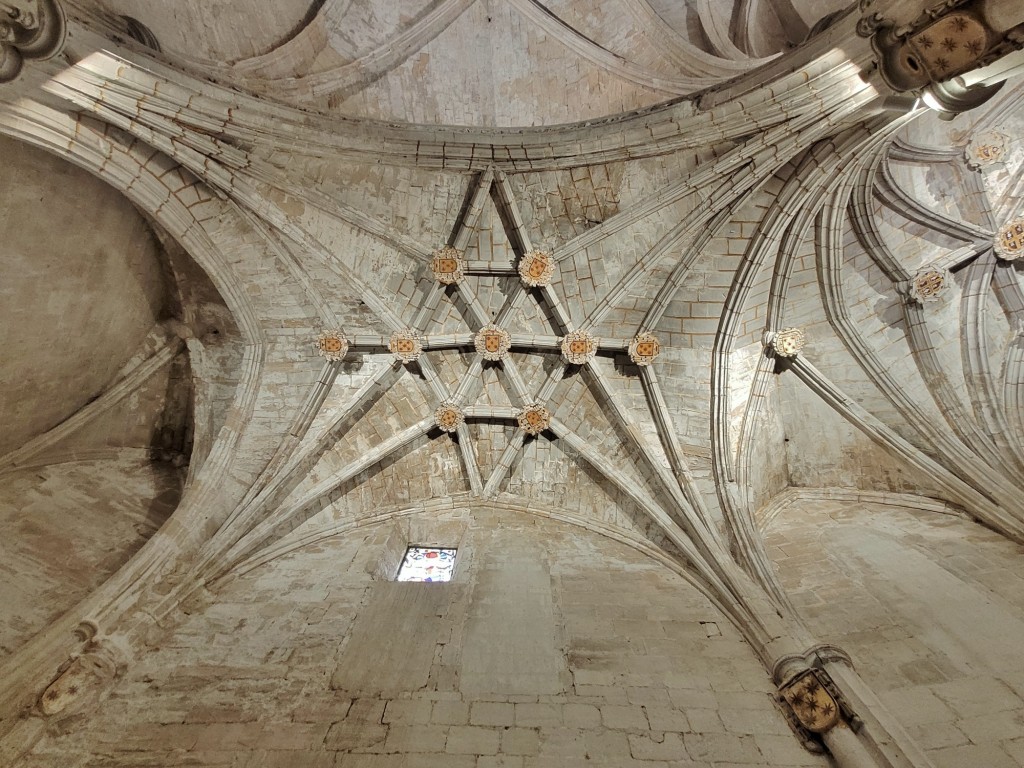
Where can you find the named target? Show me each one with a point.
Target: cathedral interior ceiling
(648, 266)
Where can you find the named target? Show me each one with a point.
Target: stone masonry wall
(931, 608)
(553, 646)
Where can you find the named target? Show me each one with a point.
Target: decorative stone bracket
(810, 699)
(947, 39)
(85, 677)
(29, 29)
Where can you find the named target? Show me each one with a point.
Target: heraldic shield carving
(534, 419)
(1009, 243)
(537, 268)
(492, 342)
(812, 705)
(332, 345)
(448, 265)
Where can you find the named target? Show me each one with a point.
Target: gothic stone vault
(694, 328)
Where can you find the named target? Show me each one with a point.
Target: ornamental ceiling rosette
(579, 347)
(493, 342)
(786, 343)
(987, 150)
(333, 345)
(449, 417)
(406, 345)
(927, 285)
(537, 268)
(644, 348)
(1009, 242)
(534, 419)
(448, 265)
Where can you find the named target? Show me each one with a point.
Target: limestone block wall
(930, 607)
(823, 450)
(553, 646)
(65, 528)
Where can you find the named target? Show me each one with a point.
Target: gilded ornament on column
(406, 345)
(534, 419)
(448, 265)
(927, 285)
(579, 347)
(537, 268)
(987, 150)
(644, 348)
(449, 417)
(333, 345)
(492, 342)
(786, 343)
(811, 703)
(1009, 243)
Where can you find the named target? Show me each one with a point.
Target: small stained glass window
(427, 564)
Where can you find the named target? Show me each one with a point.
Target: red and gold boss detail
(406, 345)
(332, 345)
(492, 341)
(534, 419)
(647, 348)
(448, 418)
(536, 268)
(950, 45)
(927, 285)
(1010, 240)
(644, 348)
(448, 265)
(579, 347)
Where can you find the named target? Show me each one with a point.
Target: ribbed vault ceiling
(477, 62)
(313, 164)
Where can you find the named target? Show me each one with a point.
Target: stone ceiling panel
(492, 66)
(83, 285)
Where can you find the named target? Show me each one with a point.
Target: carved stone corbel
(809, 698)
(84, 678)
(946, 39)
(29, 29)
